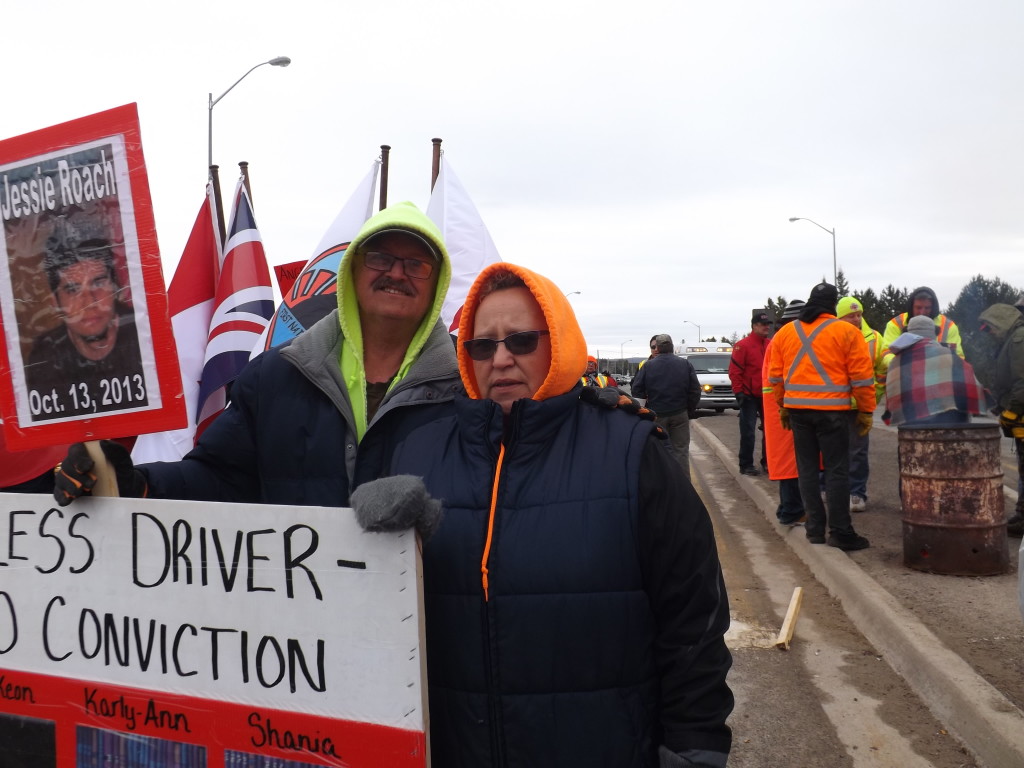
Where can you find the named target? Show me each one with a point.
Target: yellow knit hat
(848, 304)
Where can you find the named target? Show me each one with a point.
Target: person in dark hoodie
(1006, 325)
(923, 301)
(352, 384)
(575, 606)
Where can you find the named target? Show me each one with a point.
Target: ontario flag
(466, 237)
(314, 293)
(190, 302)
(243, 306)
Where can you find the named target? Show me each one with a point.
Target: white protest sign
(249, 630)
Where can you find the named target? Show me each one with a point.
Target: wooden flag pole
(106, 480)
(385, 152)
(243, 166)
(435, 166)
(215, 178)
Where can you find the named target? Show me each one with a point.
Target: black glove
(75, 476)
(606, 397)
(740, 397)
(396, 504)
(690, 758)
(611, 397)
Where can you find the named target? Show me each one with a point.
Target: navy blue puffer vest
(556, 666)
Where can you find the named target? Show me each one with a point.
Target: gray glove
(396, 504)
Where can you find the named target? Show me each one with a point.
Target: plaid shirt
(926, 379)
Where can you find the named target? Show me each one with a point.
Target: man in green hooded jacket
(310, 420)
(1006, 326)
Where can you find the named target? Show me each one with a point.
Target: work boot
(849, 542)
(1015, 525)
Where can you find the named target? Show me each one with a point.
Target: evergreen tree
(776, 306)
(892, 301)
(734, 338)
(841, 284)
(874, 315)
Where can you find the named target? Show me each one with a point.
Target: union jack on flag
(243, 306)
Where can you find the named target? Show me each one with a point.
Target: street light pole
(835, 270)
(627, 341)
(573, 293)
(699, 339)
(279, 61)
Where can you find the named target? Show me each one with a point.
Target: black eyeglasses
(379, 261)
(522, 343)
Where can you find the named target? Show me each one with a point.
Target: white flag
(314, 293)
(469, 244)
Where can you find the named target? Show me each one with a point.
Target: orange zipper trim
(490, 523)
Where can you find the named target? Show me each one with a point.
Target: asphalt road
(945, 682)
(828, 701)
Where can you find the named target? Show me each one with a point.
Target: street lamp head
(280, 61)
(794, 218)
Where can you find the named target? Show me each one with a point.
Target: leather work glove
(1012, 424)
(76, 475)
(634, 406)
(864, 422)
(784, 418)
(396, 504)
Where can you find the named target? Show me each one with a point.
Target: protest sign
(88, 348)
(138, 632)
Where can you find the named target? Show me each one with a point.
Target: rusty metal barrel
(951, 481)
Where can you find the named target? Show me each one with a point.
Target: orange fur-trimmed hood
(568, 347)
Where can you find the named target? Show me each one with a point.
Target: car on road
(713, 374)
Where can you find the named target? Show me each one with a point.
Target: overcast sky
(647, 155)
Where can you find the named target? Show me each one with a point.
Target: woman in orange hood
(575, 608)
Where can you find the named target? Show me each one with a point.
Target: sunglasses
(379, 261)
(522, 343)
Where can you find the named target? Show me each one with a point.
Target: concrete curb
(978, 715)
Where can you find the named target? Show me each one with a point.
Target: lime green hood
(399, 216)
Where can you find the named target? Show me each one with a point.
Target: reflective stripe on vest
(941, 330)
(843, 391)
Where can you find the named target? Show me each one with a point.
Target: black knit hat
(824, 295)
(822, 301)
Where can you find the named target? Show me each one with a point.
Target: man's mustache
(384, 282)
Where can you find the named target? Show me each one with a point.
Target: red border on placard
(218, 726)
(123, 121)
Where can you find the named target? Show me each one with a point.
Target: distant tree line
(979, 293)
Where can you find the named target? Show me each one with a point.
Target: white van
(708, 346)
(713, 374)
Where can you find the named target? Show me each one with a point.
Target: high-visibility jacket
(946, 333)
(594, 380)
(877, 351)
(819, 365)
